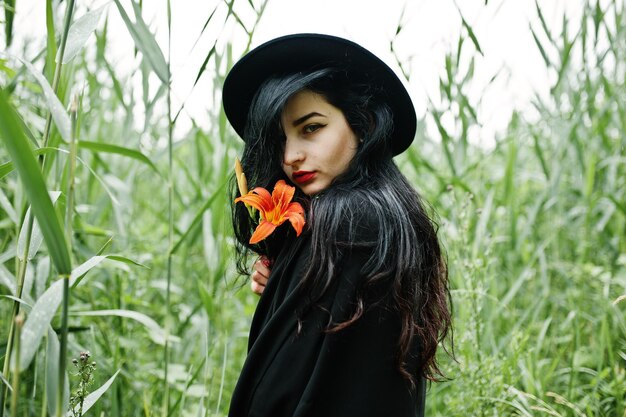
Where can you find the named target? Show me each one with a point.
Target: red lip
(303, 176)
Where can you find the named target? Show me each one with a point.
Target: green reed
(533, 227)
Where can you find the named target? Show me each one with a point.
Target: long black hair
(406, 258)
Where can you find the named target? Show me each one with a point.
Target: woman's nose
(293, 153)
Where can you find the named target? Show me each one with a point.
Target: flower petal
(297, 222)
(282, 194)
(255, 201)
(262, 192)
(259, 198)
(295, 215)
(275, 209)
(295, 208)
(242, 183)
(241, 178)
(263, 230)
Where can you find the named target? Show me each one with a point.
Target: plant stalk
(170, 215)
(19, 322)
(63, 349)
(69, 210)
(72, 173)
(57, 70)
(44, 391)
(21, 274)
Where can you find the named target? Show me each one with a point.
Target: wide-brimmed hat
(309, 51)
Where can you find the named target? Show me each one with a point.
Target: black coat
(352, 372)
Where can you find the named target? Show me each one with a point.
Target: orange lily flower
(275, 209)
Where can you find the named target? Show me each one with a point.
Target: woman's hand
(260, 275)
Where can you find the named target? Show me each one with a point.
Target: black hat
(309, 51)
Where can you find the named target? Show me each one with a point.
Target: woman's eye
(311, 128)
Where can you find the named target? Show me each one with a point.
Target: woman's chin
(312, 188)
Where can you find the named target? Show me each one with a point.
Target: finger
(260, 267)
(259, 278)
(257, 288)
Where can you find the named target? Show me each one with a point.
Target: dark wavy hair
(406, 258)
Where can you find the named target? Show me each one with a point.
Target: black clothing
(351, 372)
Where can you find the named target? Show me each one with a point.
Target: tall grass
(535, 228)
(535, 231)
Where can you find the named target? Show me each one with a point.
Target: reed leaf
(80, 31)
(145, 41)
(45, 308)
(471, 34)
(156, 332)
(9, 15)
(51, 44)
(117, 87)
(8, 208)
(118, 150)
(5, 382)
(544, 24)
(7, 279)
(79, 273)
(30, 174)
(7, 167)
(38, 322)
(92, 398)
(36, 238)
(19, 300)
(198, 217)
(59, 115)
(52, 372)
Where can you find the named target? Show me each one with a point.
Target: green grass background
(534, 228)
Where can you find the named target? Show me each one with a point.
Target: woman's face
(319, 142)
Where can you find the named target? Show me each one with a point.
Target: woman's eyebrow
(305, 118)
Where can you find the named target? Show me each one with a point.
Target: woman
(354, 307)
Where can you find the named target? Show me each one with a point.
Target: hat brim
(309, 51)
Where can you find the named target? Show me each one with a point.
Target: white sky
(431, 28)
